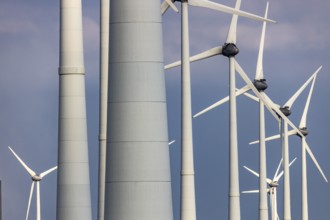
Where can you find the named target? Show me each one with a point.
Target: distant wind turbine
(36, 178)
(272, 188)
(305, 147)
(188, 204)
(188, 209)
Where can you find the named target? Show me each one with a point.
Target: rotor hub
(229, 50)
(285, 110)
(273, 184)
(304, 131)
(260, 84)
(36, 178)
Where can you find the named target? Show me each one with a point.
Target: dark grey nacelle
(229, 50)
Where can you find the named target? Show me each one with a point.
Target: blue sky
(295, 48)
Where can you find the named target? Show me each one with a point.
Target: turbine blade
(278, 169)
(274, 137)
(254, 98)
(48, 171)
(222, 101)
(30, 197)
(225, 9)
(166, 4)
(251, 191)
(305, 145)
(31, 172)
(290, 102)
(231, 37)
(206, 54)
(251, 171)
(171, 142)
(304, 116)
(281, 174)
(259, 69)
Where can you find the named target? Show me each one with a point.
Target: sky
(295, 47)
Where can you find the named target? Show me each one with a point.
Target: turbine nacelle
(36, 178)
(273, 184)
(304, 131)
(229, 50)
(285, 110)
(260, 84)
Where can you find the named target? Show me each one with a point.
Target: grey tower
(138, 184)
(73, 187)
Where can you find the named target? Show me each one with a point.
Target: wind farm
(144, 100)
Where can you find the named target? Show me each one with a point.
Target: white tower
(73, 187)
(138, 181)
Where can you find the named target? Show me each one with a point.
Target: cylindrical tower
(138, 181)
(73, 187)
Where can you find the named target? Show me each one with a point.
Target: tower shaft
(73, 186)
(138, 182)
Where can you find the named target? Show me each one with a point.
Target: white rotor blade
(171, 142)
(251, 171)
(304, 116)
(281, 174)
(305, 145)
(251, 191)
(231, 36)
(278, 169)
(278, 136)
(225, 9)
(264, 98)
(31, 172)
(206, 54)
(259, 69)
(30, 197)
(47, 172)
(254, 98)
(38, 201)
(222, 101)
(166, 4)
(290, 102)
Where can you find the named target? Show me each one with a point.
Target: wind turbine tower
(138, 181)
(73, 186)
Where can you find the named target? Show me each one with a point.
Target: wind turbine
(272, 188)
(36, 178)
(229, 50)
(305, 147)
(188, 209)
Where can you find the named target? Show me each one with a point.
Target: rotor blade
(166, 4)
(290, 102)
(305, 145)
(225, 9)
(278, 136)
(47, 172)
(231, 37)
(265, 99)
(222, 101)
(171, 142)
(251, 171)
(304, 116)
(251, 97)
(259, 69)
(38, 201)
(281, 174)
(278, 169)
(251, 191)
(30, 197)
(206, 54)
(31, 172)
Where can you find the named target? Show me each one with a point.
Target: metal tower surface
(73, 186)
(138, 182)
